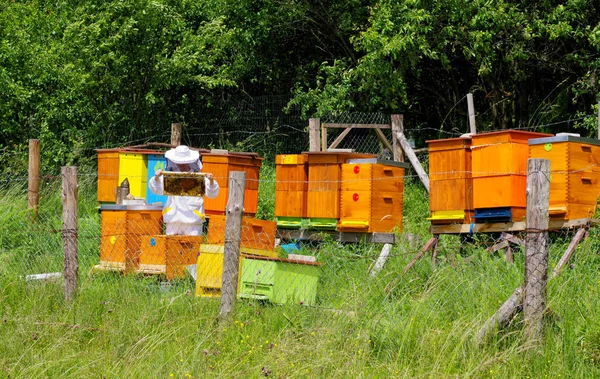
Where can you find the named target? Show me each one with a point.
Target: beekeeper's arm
(212, 187)
(156, 184)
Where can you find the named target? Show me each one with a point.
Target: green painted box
(279, 280)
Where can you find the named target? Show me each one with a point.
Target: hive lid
(564, 138)
(378, 161)
(124, 207)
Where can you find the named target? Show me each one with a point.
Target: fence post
(69, 230)
(233, 228)
(471, 109)
(176, 134)
(397, 126)
(599, 120)
(33, 197)
(536, 249)
(314, 134)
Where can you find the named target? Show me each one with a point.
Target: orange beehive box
(574, 174)
(255, 234)
(108, 174)
(122, 230)
(324, 178)
(499, 161)
(162, 254)
(450, 181)
(220, 164)
(291, 185)
(371, 195)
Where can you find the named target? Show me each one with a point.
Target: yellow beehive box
(450, 180)
(371, 195)
(575, 174)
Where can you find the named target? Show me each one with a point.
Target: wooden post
(33, 197)
(233, 228)
(323, 137)
(412, 157)
(431, 244)
(536, 249)
(471, 113)
(176, 134)
(502, 317)
(313, 134)
(397, 126)
(69, 230)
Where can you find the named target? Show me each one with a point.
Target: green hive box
(279, 280)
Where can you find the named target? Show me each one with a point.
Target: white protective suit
(183, 215)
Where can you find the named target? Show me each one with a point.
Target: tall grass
(418, 324)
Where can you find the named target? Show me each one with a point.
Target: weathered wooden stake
(233, 228)
(176, 134)
(381, 260)
(428, 246)
(536, 249)
(471, 108)
(397, 126)
(570, 250)
(323, 137)
(69, 230)
(33, 197)
(412, 157)
(598, 120)
(313, 134)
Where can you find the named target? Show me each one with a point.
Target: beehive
(115, 165)
(450, 181)
(220, 164)
(155, 162)
(291, 185)
(209, 268)
(121, 233)
(324, 184)
(254, 234)
(108, 174)
(371, 195)
(499, 161)
(169, 255)
(574, 174)
(279, 280)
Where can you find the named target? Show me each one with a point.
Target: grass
(420, 324)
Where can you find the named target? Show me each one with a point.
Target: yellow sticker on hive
(548, 147)
(113, 240)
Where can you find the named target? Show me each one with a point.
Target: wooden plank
(397, 126)
(413, 159)
(358, 126)
(471, 109)
(569, 252)
(70, 231)
(317, 235)
(383, 139)
(506, 226)
(428, 246)
(381, 259)
(513, 239)
(339, 138)
(33, 187)
(498, 246)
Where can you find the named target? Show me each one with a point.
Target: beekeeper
(184, 215)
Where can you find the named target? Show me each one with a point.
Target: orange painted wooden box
(574, 174)
(255, 234)
(371, 195)
(291, 185)
(220, 164)
(169, 255)
(121, 233)
(108, 174)
(450, 181)
(324, 178)
(499, 161)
